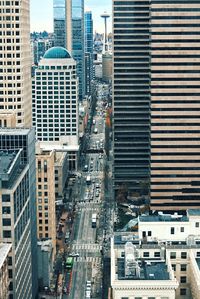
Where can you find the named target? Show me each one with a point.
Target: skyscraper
(78, 45)
(55, 96)
(88, 51)
(18, 202)
(15, 61)
(62, 23)
(131, 95)
(156, 69)
(175, 110)
(59, 21)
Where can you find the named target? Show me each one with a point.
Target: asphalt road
(86, 240)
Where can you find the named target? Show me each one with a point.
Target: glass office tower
(59, 19)
(78, 49)
(88, 51)
(131, 95)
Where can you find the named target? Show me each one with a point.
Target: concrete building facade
(15, 215)
(55, 96)
(24, 139)
(15, 61)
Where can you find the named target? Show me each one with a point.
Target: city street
(88, 241)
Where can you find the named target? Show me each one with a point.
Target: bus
(94, 220)
(69, 263)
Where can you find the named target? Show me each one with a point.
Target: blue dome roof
(57, 53)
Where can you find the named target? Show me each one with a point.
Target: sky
(41, 13)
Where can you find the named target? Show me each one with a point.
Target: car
(87, 294)
(74, 254)
(88, 283)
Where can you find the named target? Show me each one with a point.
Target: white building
(170, 239)
(15, 61)
(135, 277)
(55, 96)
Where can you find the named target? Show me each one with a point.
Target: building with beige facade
(45, 195)
(4, 275)
(15, 61)
(175, 112)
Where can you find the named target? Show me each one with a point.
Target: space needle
(105, 16)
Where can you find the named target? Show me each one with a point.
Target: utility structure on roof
(105, 16)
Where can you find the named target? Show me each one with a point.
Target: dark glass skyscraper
(78, 46)
(88, 51)
(59, 18)
(131, 94)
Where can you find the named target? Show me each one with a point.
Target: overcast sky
(42, 14)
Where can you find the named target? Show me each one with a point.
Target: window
(183, 279)
(122, 254)
(5, 198)
(183, 267)
(149, 233)
(183, 255)
(172, 255)
(198, 253)
(6, 234)
(182, 229)
(6, 222)
(146, 254)
(183, 292)
(174, 267)
(5, 210)
(196, 224)
(172, 230)
(124, 298)
(156, 254)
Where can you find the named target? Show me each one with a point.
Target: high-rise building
(59, 18)
(55, 96)
(78, 45)
(20, 207)
(15, 61)
(69, 33)
(88, 51)
(175, 112)
(46, 214)
(156, 69)
(15, 204)
(131, 94)
(62, 23)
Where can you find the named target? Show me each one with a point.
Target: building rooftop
(4, 250)
(193, 212)
(15, 131)
(57, 53)
(148, 270)
(163, 218)
(6, 159)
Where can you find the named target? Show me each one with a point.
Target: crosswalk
(89, 259)
(88, 206)
(86, 247)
